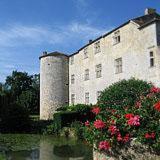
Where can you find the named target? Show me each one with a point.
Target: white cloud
(18, 35)
(15, 40)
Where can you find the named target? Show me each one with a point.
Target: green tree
(18, 82)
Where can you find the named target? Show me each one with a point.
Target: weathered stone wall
(134, 49)
(134, 151)
(53, 84)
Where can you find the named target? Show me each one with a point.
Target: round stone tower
(54, 85)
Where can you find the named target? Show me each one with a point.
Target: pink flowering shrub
(116, 124)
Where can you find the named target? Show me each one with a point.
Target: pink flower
(153, 135)
(138, 104)
(157, 106)
(134, 121)
(149, 95)
(126, 138)
(113, 130)
(104, 145)
(129, 115)
(96, 110)
(87, 124)
(148, 136)
(119, 137)
(155, 90)
(99, 124)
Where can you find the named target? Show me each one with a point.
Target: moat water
(36, 147)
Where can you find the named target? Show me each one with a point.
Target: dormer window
(116, 37)
(85, 51)
(97, 47)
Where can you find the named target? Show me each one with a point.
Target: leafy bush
(125, 114)
(78, 127)
(70, 114)
(15, 118)
(123, 93)
(2, 157)
(80, 108)
(40, 126)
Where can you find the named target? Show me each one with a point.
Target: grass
(2, 157)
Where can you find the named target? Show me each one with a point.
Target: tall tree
(18, 82)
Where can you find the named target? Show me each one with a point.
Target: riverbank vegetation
(19, 98)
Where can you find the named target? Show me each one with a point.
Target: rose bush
(117, 124)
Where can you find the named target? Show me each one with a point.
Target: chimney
(44, 53)
(149, 11)
(90, 41)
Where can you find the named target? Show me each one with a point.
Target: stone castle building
(130, 50)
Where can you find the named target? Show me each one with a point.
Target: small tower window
(98, 94)
(151, 59)
(72, 98)
(116, 37)
(98, 71)
(97, 47)
(72, 79)
(118, 65)
(85, 51)
(86, 75)
(87, 98)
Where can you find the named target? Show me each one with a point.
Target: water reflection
(50, 148)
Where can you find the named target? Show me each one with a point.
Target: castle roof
(56, 53)
(146, 19)
(142, 21)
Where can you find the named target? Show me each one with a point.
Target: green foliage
(79, 129)
(20, 90)
(2, 157)
(40, 126)
(126, 110)
(63, 119)
(69, 115)
(18, 82)
(123, 93)
(15, 118)
(80, 108)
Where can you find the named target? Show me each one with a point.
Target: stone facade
(130, 50)
(53, 84)
(134, 49)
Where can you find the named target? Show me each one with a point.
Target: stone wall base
(133, 151)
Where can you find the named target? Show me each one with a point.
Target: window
(98, 94)
(86, 75)
(72, 60)
(98, 71)
(97, 47)
(85, 52)
(72, 79)
(118, 65)
(87, 98)
(151, 59)
(72, 98)
(116, 37)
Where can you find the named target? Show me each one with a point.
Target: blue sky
(29, 27)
